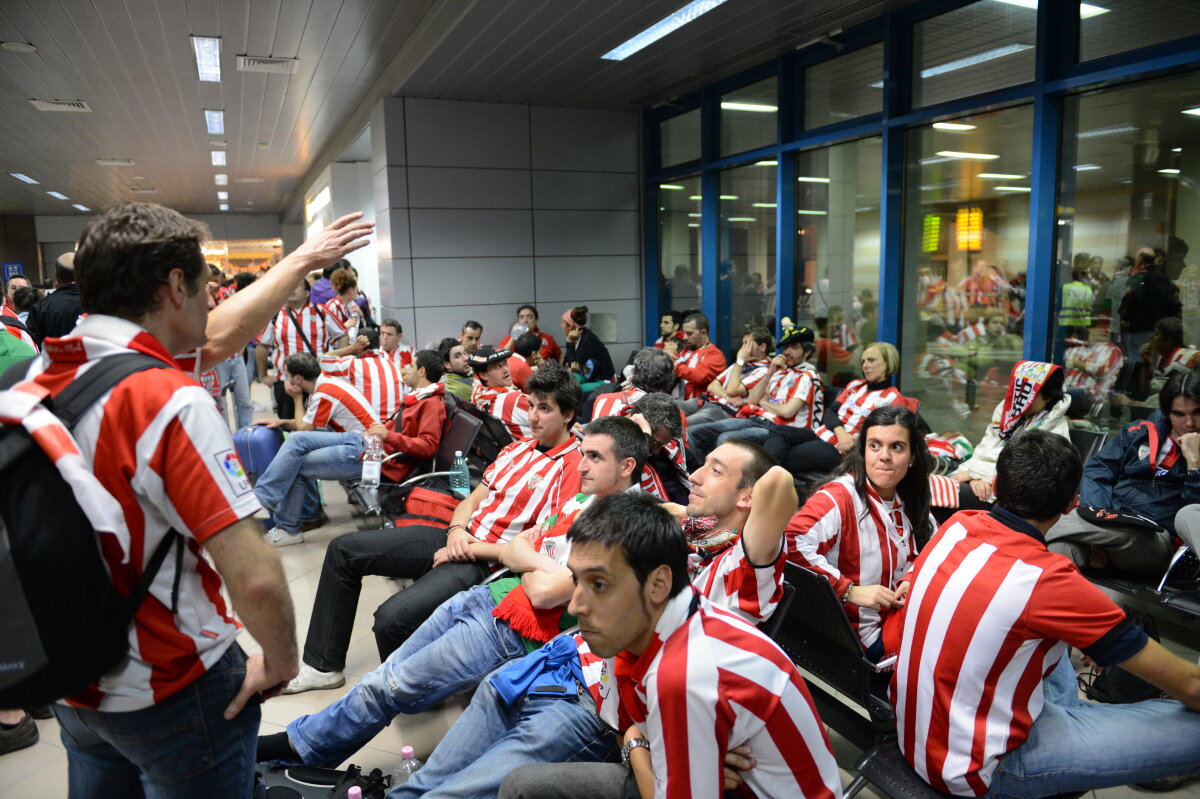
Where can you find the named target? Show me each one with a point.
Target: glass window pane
(679, 138)
(965, 248)
(679, 245)
(1115, 26)
(978, 48)
(837, 251)
(1130, 215)
(746, 269)
(845, 87)
(748, 117)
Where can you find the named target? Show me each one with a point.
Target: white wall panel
(586, 233)
(447, 233)
(576, 138)
(569, 278)
(449, 187)
(600, 191)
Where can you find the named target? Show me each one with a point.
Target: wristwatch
(634, 743)
(741, 362)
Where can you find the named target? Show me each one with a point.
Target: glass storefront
(1107, 27)
(978, 48)
(746, 273)
(749, 117)
(679, 139)
(679, 244)
(845, 87)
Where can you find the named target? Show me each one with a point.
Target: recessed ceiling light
(218, 158)
(742, 219)
(1086, 10)
(955, 126)
(83, 208)
(223, 206)
(693, 224)
(222, 195)
(973, 60)
(694, 215)
(208, 58)
(114, 161)
(812, 180)
(1161, 172)
(694, 197)
(216, 143)
(809, 212)
(263, 145)
(670, 186)
(18, 47)
(247, 180)
(757, 107)
(22, 177)
(1176, 149)
(999, 176)
(58, 195)
(1111, 130)
(221, 179)
(137, 177)
(215, 121)
(728, 196)
(967, 156)
(664, 26)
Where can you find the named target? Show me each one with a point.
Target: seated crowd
(602, 587)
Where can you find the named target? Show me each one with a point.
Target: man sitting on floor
(986, 699)
(494, 392)
(529, 480)
(326, 443)
(478, 629)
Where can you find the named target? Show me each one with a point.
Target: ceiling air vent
(76, 106)
(272, 66)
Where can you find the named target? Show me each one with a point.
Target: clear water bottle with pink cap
(405, 768)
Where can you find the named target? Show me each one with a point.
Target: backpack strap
(13, 321)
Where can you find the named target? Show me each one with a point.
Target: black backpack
(63, 624)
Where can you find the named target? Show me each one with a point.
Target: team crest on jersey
(549, 549)
(235, 475)
(1143, 452)
(532, 483)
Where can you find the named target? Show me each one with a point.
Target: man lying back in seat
(985, 695)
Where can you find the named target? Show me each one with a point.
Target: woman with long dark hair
(859, 529)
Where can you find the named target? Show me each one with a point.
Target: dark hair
(302, 364)
(536, 316)
(527, 344)
(431, 361)
(8, 282)
(129, 251)
(25, 298)
(653, 370)
(243, 279)
(392, 323)
(760, 462)
(445, 345)
(1052, 389)
(343, 280)
(697, 319)
(340, 264)
(913, 489)
(646, 533)
(372, 336)
(1037, 475)
(579, 315)
(661, 412)
(628, 440)
(471, 323)
(1180, 384)
(676, 317)
(1171, 329)
(553, 380)
(761, 335)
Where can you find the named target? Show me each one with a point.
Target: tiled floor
(41, 771)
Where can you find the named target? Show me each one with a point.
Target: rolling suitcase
(256, 447)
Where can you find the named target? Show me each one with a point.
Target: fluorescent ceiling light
(137, 177)
(1161, 172)
(931, 160)
(812, 213)
(1087, 167)
(1111, 130)
(812, 180)
(955, 126)
(60, 196)
(317, 203)
(80, 207)
(692, 224)
(1193, 111)
(1012, 188)
(742, 219)
(999, 176)
(1086, 10)
(216, 143)
(144, 191)
(247, 180)
(215, 121)
(967, 156)
(694, 197)
(728, 196)
(114, 161)
(763, 205)
(766, 163)
(694, 215)
(221, 179)
(670, 186)
(22, 177)
(223, 206)
(208, 58)
(222, 195)
(664, 26)
(218, 158)
(1176, 149)
(733, 106)
(973, 60)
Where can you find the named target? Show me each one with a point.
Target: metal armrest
(1179, 553)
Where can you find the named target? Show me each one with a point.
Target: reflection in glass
(746, 269)
(679, 138)
(837, 251)
(748, 117)
(679, 245)
(1115, 26)
(978, 48)
(965, 249)
(843, 88)
(1128, 230)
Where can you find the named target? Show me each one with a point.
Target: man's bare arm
(772, 504)
(1179, 678)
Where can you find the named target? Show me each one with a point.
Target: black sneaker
(313, 524)
(20, 736)
(1166, 783)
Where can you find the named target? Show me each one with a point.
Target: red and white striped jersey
(710, 681)
(508, 404)
(730, 580)
(800, 382)
(844, 336)
(857, 401)
(612, 404)
(374, 374)
(402, 356)
(990, 613)
(525, 485)
(847, 538)
(158, 446)
(752, 373)
(549, 349)
(1180, 359)
(339, 406)
(662, 342)
(318, 325)
(344, 315)
(7, 309)
(1100, 365)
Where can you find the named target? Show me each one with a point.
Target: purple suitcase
(256, 447)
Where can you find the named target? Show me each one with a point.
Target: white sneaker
(262, 514)
(310, 679)
(279, 537)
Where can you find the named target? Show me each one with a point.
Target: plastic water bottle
(372, 462)
(405, 768)
(354, 792)
(460, 481)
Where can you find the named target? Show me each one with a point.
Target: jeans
(491, 739)
(460, 645)
(180, 748)
(570, 780)
(306, 456)
(1078, 746)
(231, 373)
(707, 437)
(399, 617)
(708, 412)
(406, 552)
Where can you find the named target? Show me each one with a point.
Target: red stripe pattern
(509, 405)
(374, 374)
(525, 485)
(317, 323)
(339, 406)
(857, 401)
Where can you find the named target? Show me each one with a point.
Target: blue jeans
(180, 748)
(491, 739)
(710, 435)
(460, 644)
(306, 456)
(231, 373)
(1078, 746)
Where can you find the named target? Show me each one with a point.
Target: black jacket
(55, 315)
